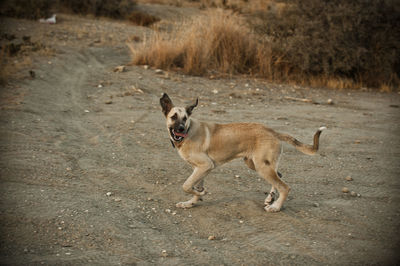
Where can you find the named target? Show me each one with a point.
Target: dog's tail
(304, 148)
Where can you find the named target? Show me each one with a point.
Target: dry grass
(217, 43)
(16, 58)
(10, 68)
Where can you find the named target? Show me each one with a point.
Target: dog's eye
(174, 117)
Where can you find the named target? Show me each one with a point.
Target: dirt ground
(77, 130)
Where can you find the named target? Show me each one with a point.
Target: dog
(206, 145)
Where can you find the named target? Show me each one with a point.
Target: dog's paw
(272, 208)
(185, 204)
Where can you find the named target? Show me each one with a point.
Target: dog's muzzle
(179, 134)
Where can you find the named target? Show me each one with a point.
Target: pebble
(349, 178)
(353, 194)
(241, 221)
(146, 67)
(108, 102)
(164, 253)
(215, 91)
(329, 101)
(316, 204)
(108, 194)
(237, 176)
(159, 71)
(345, 190)
(117, 199)
(120, 69)
(211, 238)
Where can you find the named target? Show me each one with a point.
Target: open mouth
(177, 136)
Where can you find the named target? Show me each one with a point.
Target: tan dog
(207, 145)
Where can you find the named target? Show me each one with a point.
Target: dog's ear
(166, 104)
(190, 108)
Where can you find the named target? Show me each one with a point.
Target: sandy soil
(79, 130)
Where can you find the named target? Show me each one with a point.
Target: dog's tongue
(183, 135)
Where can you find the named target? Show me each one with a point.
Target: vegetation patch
(340, 44)
(219, 42)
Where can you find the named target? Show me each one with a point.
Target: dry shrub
(219, 42)
(28, 9)
(142, 19)
(35, 9)
(337, 39)
(118, 9)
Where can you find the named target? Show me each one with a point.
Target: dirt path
(81, 130)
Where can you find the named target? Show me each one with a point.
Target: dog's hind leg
(272, 195)
(266, 170)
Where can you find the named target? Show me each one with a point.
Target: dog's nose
(181, 128)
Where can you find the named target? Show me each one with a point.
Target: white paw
(272, 208)
(185, 204)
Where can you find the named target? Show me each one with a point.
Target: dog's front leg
(194, 185)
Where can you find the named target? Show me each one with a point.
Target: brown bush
(142, 19)
(28, 9)
(219, 42)
(118, 9)
(356, 40)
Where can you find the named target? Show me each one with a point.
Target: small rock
(164, 253)
(146, 67)
(167, 210)
(215, 91)
(120, 69)
(108, 102)
(241, 221)
(353, 194)
(237, 176)
(159, 71)
(316, 204)
(349, 178)
(87, 111)
(100, 86)
(345, 190)
(108, 194)
(330, 101)
(117, 199)
(357, 141)
(211, 238)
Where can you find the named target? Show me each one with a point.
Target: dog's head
(178, 118)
